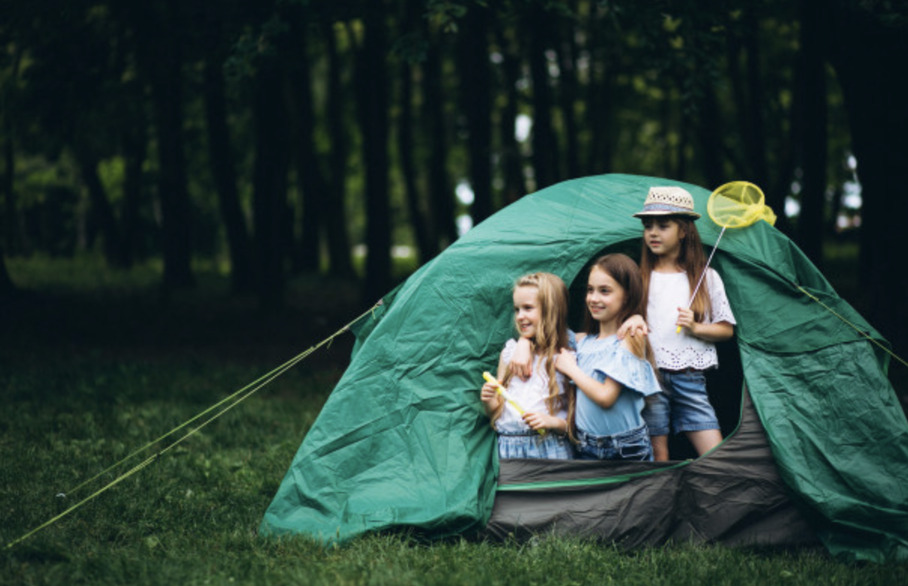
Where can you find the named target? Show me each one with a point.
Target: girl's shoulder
(614, 358)
(592, 343)
(508, 349)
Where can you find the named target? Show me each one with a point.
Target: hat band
(661, 207)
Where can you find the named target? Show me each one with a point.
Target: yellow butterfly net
(736, 204)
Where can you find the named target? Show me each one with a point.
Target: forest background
(284, 137)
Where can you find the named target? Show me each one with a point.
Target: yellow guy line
(852, 325)
(243, 394)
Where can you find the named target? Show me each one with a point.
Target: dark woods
(282, 135)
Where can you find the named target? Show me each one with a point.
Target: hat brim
(645, 213)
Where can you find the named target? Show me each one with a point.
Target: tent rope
(243, 394)
(852, 325)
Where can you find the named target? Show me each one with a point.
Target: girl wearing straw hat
(682, 328)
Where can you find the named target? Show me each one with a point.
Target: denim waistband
(610, 439)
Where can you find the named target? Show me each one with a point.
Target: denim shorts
(656, 414)
(550, 446)
(628, 445)
(690, 407)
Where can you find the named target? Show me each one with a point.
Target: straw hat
(668, 201)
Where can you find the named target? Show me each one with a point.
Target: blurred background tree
(282, 137)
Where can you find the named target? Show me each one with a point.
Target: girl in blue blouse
(612, 375)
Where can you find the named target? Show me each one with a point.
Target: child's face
(604, 297)
(663, 236)
(526, 311)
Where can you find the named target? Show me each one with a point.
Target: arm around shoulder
(636, 345)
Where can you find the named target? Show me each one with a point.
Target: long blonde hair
(551, 334)
(691, 258)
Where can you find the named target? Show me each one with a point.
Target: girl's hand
(538, 421)
(566, 362)
(634, 325)
(521, 363)
(686, 319)
(489, 396)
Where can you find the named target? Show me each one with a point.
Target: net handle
(703, 274)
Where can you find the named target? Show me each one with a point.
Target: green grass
(94, 366)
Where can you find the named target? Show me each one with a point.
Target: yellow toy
(507, 396)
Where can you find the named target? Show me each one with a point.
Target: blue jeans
(551, 446)
(627, 445)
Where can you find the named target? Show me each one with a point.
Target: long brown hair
(551, 334)
(691, 258)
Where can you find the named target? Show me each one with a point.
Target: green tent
(821, 451)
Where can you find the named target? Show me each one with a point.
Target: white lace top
(677, 351)
(530, 394)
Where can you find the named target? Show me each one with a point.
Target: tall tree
(311, 177)
(102, 211)
(7, 286)
(509, 148)
(545, 143)
(159, 27)
(600, 92)
(569, 90)
(869, 42)
(270, 179)
(372, 95)
(813, 144)
(220, 153)
(475, 95)
(440, 188)
(336, 211)
(410, 51)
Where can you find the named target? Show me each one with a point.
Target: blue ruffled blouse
(608, 358)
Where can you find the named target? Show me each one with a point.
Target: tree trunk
(270, 182)
(866, 54)
(308, 167)
(223, 171)
(755, 141)
(600, 104)
(372, 76)
(475, 79)
(426, 244)
(812, 73)
(511, 157)
(9, 226)
(101, 209)
(568, 96)
(135, 150)
(161, 57)
(442, 195)
(7, 287)
(336, 220)
(545, 144)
